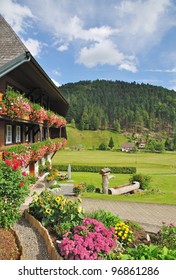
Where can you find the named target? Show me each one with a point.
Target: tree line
(121, 106)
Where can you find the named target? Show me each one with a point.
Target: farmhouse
(127, 147)
(32, 109)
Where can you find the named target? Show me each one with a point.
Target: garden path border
(43, 233)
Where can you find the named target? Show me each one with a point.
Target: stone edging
(44, 233)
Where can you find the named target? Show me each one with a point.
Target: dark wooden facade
(20, 71)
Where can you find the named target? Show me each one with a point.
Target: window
(8, 134)
(18, 134)
(27, 134)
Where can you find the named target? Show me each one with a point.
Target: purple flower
(87, 241)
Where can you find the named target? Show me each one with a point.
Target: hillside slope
(88, 139)
(119, 105)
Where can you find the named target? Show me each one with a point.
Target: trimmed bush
(96, 169)
(144, 180)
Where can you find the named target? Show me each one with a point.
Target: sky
(74, 40)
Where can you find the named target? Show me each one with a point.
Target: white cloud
(128, 67)
(57, 72)
(15, 14)
(34, 46)
(56, 83)
(63, 47)
(113, 32)
(173, 70)
(105, 52)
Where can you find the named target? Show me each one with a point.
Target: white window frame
(18, 134)
(8, 134)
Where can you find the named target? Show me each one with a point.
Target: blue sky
(73, 40)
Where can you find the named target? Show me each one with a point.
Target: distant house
(127, 147)
(20, 71)
(141, 144)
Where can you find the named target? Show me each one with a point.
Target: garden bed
(75, 235)
(10, 246)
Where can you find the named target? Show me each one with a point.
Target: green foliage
(144, 180)
(155, 146)
(13, 190)
(90, 188)
(111, 143)
(102, 146)
(52, 210)
(106, 217)
(135, 106)
(96, 169)
(78, 189)
(145, 252)
(45, 168)
(167, 236)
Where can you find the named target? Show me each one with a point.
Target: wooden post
(105, 172)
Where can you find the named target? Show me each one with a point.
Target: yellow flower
(129, 240)
(57, 199)
(120, 233)
(36, 198)
(48, 211)
(79, 209)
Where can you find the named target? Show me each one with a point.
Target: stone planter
(44, 233)
(50, 183)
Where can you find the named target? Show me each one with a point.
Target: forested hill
(105, 104)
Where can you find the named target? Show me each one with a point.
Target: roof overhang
(27, 72)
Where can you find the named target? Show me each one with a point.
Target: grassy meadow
(160, 166)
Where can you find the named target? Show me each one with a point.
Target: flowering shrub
(106, 217)
(78, 189)
(13, 190)
(51, 210)
(53, 175)
(125, 235)
(90, 241)
(145, 252)
(167, 236)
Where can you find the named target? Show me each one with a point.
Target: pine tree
(111, 143)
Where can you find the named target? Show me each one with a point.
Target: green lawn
(149, 163)
(161, 168)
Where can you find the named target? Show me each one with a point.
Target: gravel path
(32, 243)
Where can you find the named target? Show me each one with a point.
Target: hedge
(96, 169)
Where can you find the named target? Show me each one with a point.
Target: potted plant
(78, 189)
